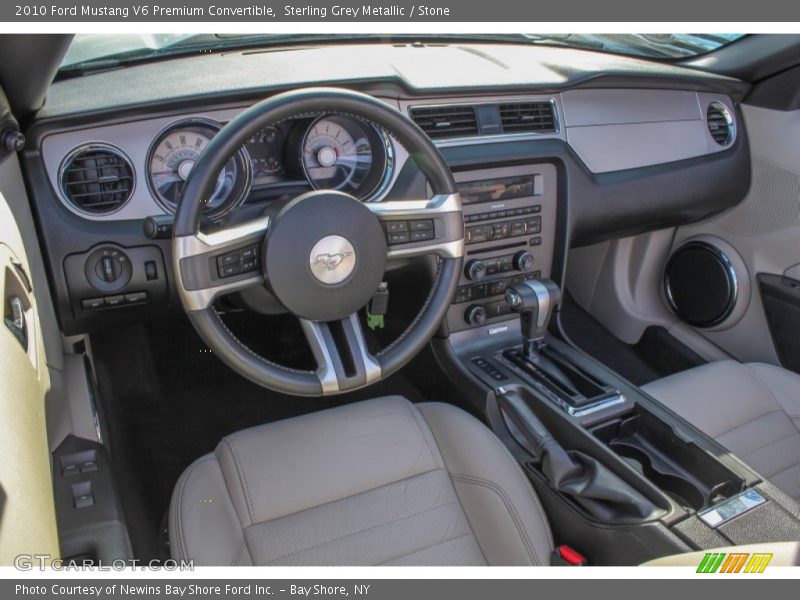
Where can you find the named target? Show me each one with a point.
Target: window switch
(71, 469)
(82, 494)
(88, 466)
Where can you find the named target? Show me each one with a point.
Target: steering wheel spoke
(210, 265)
(340, 350)
(422, 227)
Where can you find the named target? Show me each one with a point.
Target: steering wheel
(323, 255)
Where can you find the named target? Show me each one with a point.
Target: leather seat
(377, 482)
(753, 410)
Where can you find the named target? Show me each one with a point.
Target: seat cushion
(753, 410)
(376, 482)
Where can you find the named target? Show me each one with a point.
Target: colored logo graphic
(734, 562)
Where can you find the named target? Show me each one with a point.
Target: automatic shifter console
(535, 301)
(565, 383)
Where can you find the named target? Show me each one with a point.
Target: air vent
(720, 123)
(522, 117)
(97, 179)
(446, 121)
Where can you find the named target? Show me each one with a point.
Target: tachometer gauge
(173, 156)
(345, 154)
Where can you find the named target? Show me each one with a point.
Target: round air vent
(96, 179)
(720, 123)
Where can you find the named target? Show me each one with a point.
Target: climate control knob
(523, 261)
(475, 315)
(475, 270)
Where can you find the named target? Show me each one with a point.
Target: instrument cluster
(331, 152)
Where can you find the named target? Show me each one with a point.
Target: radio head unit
(509, 226)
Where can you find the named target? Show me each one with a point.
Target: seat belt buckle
(567, 556)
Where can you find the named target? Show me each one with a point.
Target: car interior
(540, 304)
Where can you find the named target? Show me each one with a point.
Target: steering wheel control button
(404, 232)
(336, 255)
(421, 225)
(332, 259)
(421, 235)
(244, 260)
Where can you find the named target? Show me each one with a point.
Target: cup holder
(681, 490)
(690, 476)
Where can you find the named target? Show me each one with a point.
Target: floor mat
(656, 355)
(167, 400)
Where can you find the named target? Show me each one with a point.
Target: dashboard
(589, 149)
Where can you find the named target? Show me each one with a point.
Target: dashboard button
(533, 225)
(136, 297)
(150, 270)
(476, 234)
(516, 228)
(92, 303)
(478, 291)
(499, 231)
(495, 288)
(114, 300)
(463, 294)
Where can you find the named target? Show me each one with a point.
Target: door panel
(764, 230)
(27, 514)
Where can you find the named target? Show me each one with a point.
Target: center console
(623, 479)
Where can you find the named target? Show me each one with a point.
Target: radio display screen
(493, 190)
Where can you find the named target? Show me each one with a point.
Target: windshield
(89, 51)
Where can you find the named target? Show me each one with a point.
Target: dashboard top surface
(406, 68)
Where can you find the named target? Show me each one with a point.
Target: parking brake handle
(590, 483)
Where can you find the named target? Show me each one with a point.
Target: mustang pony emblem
(331, 260)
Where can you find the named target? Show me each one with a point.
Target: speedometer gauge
(345, 154)
(173, 156)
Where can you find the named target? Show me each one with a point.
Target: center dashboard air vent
(466, 120)
(96, 178)
(528, 116)
(720, 123)
(446, 121)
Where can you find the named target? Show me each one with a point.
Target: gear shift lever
(535, 300)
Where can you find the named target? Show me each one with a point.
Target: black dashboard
(598, 146)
